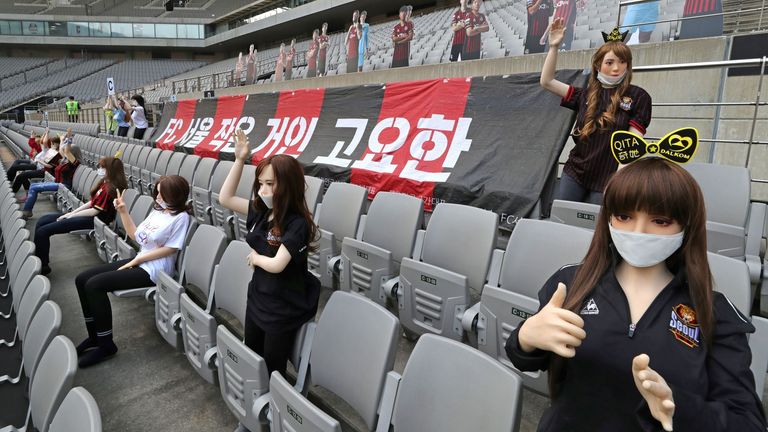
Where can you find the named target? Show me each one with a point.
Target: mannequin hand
(129, 264)
(553, 328)
(556, 32)
(119, 203)
(253, 258)
(64, 216)
(242, 146)
(655, 391)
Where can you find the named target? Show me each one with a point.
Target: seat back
(536, 250)
(30, 267)
(232, 279)
(203, 172)
(36, 293)
(386, 207)
(726, 191)
(44, 327)
(342, 206)
(141, 208)
(152, 158)
(353, 350)
(244, 190)
(292, 412)
(219, 212)
(448, 386)
(188, 167)
(473, 228)
(731, 277)
(204, 251)
(78, 412)
(163, 160)
(175, 162)
(52, 381)
(313, 192)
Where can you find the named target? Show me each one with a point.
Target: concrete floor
(148, 385)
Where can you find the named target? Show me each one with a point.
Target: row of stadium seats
(200, 278)
(47, 362)
(130, 8)
(393, 266)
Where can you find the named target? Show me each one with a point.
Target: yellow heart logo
(680, 143)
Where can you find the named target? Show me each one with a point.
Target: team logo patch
(590, 308)
(626, 103)
(684, 326)
(274, 237)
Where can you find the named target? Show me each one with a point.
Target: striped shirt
(565, 9)
(402, 50)
(474, 42)
(460, 35)
(591, 162)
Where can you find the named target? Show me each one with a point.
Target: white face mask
(101, 172)
(161, 203)
(645, 250)
(267, 200)
(610, 81)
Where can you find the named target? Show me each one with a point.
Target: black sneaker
(97, 356)
(45, 270)
(86, 345)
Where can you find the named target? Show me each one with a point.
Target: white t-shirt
(40, 158)
(161, 229)
(138, 117)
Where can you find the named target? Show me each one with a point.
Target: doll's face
(612, 65)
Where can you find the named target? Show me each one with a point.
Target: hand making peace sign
(119, 202)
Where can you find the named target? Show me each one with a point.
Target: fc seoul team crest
(684, 326)
(626, 103)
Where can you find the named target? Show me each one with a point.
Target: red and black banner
(490, 142)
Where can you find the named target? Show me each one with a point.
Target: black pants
(139, 133)
(20, 165)
(48, 225)
(456, 51)
(122, 131)
(94, 284)
(275, 348)
(22, 178)
(73, 118)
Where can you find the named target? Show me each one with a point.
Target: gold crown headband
(678, 146)
(615, 35)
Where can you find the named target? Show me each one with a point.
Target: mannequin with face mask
(634, 337)
(282, 295)
(609, 103)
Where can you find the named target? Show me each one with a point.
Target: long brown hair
(115, 177)
(287, 192)
(659, 187)
(593, 119)
(175, 193)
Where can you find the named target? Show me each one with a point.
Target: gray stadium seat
(201, 192)
(134, 180)
(50, 384)
(734, 224)
(373, 259)
(231, 277)
(337, 217)
(30, 267)
(536, 250)
(44, 326)
(196, 275)
(125, 247)
(99, 229)
(313, 193)
(435, 285)
(36, 293)
(219, 213)
(352, 361)
(160, 169)
(235, 224)
(145, 171)
(77, 412)
(450, 387)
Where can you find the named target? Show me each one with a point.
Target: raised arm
(548, 81)
(227, 196)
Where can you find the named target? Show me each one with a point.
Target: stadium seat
(447, 386)
(220, 214)
(734, 224)
(314, 192)
(48, 387)
(373, 259)
(30, 267)
(352, 361)
(235, 223)
(435, 285)
(140, 208)
(126, 248)
(33, 297)
(231, 277)
(337, 217)
(145, 182)
(196, 275)
(77, 412)
(161, 167)
(536, 250)
(201, 192)
(42, 329)
(99, 229)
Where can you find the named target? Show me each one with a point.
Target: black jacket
(713, 388)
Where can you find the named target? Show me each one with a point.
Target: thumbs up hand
(553, 328)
